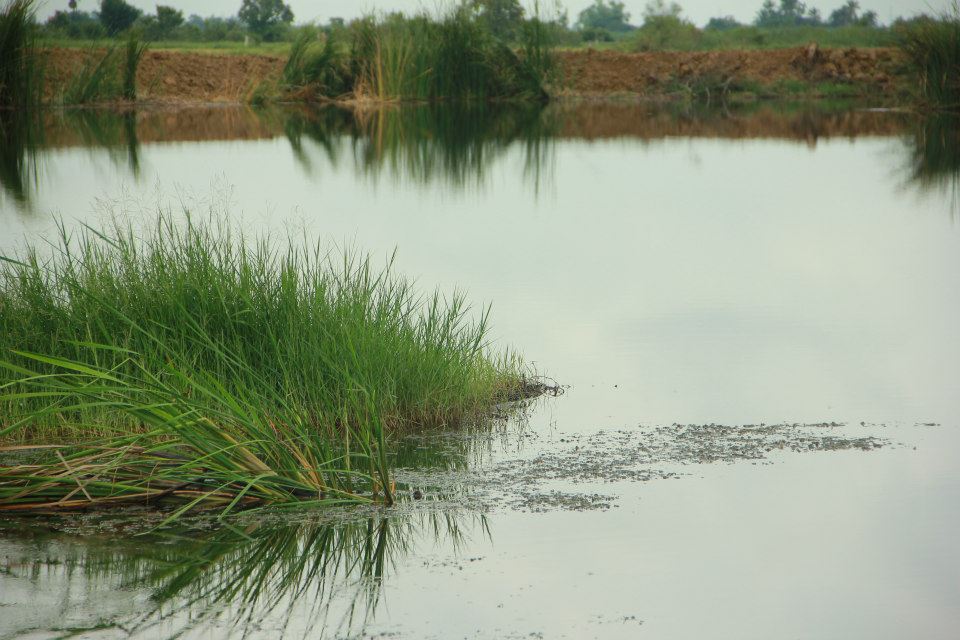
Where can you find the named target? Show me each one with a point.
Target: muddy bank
(180, 77)
(810, 70)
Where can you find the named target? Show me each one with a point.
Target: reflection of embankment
(764, 120)
(588, 121)
(458, 145)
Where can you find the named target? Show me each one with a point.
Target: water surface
(778, 264)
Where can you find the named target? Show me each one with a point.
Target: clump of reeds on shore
(420, 58)
(106, 75)
(208, 369)
(20, 65)
(933, 49)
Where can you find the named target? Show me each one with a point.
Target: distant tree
(605, 14)
(168, 19)
(790, 13)
(502, 17)
(723, 23)
(117, 16)
(75, 24)
(73, 5)
(265, 17)
(849, 15)
(665, 28)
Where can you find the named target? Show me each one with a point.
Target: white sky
(698, 10)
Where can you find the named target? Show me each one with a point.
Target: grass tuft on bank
(20, 63)
(454, 57)
(933, 49)
(209, 369)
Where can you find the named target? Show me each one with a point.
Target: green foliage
(318, 66)
(134, 49)
(723, 23)
(605, 14)
(163, 24)
(788, 13)
(849, 15)
(502, 17)
(117, 16)
(933, 49)
(20, 64)
(422, 58)
(664, 28)
(266, 18)
(295, 326)
(75, 24)
(97, 79)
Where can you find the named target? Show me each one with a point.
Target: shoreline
(191, 78)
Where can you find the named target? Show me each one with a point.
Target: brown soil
(178, 77)
(602, 73)
(190, 77)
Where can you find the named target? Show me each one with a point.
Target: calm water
(778, 264)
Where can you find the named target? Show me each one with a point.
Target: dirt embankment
(191, 77)
(176, 76)
(774, 72)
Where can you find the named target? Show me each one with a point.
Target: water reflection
(453, 147)
(19, 140)
(935, 162)
(265, 573)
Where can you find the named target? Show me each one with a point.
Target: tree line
(272, 20)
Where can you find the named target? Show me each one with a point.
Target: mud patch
(641, 454)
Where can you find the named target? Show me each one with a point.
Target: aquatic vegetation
(933, 48)
(454, 57)
(106, 75)
(95, 80)
(134, 48)
(20, 63)
(204, 368)
(317, 66)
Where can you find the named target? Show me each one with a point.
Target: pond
(753, 312)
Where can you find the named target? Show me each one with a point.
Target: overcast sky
(697, 10)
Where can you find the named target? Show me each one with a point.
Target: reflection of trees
(935, 161)
(23, 135)
(426, 144)
(319, 575)
(20, 133)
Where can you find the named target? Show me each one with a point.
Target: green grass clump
(316, 66)
(215, 370)
(933, 48)
(20, 65)
(454, 57)
(106, 75)
(133, 50)
(96, 79)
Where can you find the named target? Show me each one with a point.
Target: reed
(316, 67)
(421, 58)
(134, 48)
(933, 48)
(20, 64)
(96, 79)
(209, 369)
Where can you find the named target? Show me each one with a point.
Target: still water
(785, 265)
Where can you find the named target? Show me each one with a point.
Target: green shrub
(933, 49)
